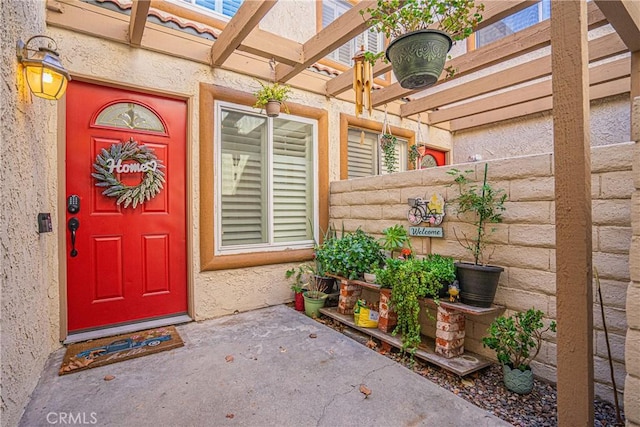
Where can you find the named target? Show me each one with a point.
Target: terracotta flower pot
(273, 108)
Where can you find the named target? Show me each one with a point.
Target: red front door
(126, 264)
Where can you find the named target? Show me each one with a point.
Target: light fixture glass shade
(45, 75)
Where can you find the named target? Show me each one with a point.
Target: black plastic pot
(478, 283)
(326, 283)
(417, 58)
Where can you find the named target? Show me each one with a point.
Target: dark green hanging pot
(418, 57)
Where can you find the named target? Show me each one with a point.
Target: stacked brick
(450, 330)
(349, 295)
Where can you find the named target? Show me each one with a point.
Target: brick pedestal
(450, 332)
(349, 294)
(388, 318)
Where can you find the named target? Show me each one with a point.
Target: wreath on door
(109, 163)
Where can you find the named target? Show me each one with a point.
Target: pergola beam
(600, 74)
(519, 43)
(599, 48)
(624, 16)
(138, 20)
(243, 22)
(494, 11)
(340, 31)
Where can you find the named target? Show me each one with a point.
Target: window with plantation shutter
(364, 154)
(370, 39)
(265, 180)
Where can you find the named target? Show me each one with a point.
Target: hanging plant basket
(273, 108)
(418, 57)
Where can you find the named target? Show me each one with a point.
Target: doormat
(103, 351)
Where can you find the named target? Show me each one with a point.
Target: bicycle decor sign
(430, 211)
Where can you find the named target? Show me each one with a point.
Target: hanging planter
(422, 32)
(418, 58)
(271, 97)
(388, 144)
(272, 108)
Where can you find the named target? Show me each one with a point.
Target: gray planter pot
(518, 381)
(478, 283)
(418, 57)
(273, 108)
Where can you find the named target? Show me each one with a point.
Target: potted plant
(271, 97)
(422, 33)
(315, 296)
(388, 145)
(516, 340)
(480, 206)
(298, 287)
(444, 271)
(410, 280)
(351, 255)
(395, 239)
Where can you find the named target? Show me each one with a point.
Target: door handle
(73, 225)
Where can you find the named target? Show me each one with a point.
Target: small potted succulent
(422, 33)
(271, 97)
(395, 239)
(516, 340)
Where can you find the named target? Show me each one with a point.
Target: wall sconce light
(46, 76)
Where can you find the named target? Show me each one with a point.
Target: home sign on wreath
(110, 162)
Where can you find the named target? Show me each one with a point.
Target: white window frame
(269, 246)
(378, 166)
(541, 18)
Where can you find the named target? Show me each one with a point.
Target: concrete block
(355, 198)
(632, 352)
(532, 280)
(602, 372)
(616, 185)
(435, 177)
(595, 186)
(518, 300)
(366, 183)
(634, 259)
(336, 199)
(631, 399)
(635, 212)
(366, 212)
(605, 392)
(521, 256)
(527, 212)
(401, 180)
(544, 371)
(519, 167)
(396, 213)
(342, 186)
(540, 235)
(614, 293)
(547, 353)
(531, 189)
(635, 119)
(633, 306)
(611, 212)
(615, 317)
(382, 197)
(614, 239)
(611, 266)
(612, 157)
(337, 211)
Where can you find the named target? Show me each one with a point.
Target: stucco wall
(28, 260)
(524, 243)
(632, 381)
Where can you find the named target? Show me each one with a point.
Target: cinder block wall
(524, 244)
(632, 353)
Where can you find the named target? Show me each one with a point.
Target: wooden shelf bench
(446, 351)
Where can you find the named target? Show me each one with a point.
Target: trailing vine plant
(388, 146)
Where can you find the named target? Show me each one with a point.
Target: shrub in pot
(351, 255)
(443, 269)
(480, 206)
(298, 275)
(516, 340)
(422, 33)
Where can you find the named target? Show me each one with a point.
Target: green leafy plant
(458, 18)
(484, 204)
(272, 92)
(350, 255)
(442, 267)
(413, 153)
(411, 280)
(299, 274)
(516, 339)
(388, 145)
(395, 238)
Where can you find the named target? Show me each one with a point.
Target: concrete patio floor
(279, 376)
